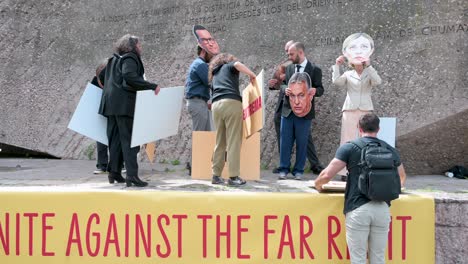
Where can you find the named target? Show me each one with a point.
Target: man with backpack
(375, 177)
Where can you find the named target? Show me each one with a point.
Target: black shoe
(135, 181)
(236, 181)
(317, 169)
(217, 180)
(276, 170)
(115, 177)
(344, 178)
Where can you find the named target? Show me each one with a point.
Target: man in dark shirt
(197, 88)
(367, 222)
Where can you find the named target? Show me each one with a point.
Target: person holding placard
(358, 82)
(227, 114)
(122, 78)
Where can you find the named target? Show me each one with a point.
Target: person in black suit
(275, 84)
(122, 78)
(296, 54)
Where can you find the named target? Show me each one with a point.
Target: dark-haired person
(227, 114)
(367, 222)
(123, 77)
(296, 126)
(275, 84)
(197, 89)
(297, 55)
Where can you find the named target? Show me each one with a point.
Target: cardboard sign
(150, 150)
(157, 116)
(252, 104)
(86, 119)
(203, 143)
(387, 130)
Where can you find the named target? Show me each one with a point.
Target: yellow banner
(191, 227)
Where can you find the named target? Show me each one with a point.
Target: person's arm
(373, 76)
(202, 72)
(338, 78)
(317, 82)
(101, 77)
(244, 69)
(328, 173)
(131, 77)
(402, 173)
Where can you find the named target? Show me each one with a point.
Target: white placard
(157, 116)
(86, 119)
(387, 130)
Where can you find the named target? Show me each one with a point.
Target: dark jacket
(315, 74)
(122, 78)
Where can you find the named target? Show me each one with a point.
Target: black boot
(115, 177)
(135, 181)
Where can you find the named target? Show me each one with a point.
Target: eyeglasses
(207, 40)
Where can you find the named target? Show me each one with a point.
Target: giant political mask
(300, 98)
(205, 40)
(357, 48)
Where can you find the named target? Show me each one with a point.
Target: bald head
(296, 53)
(288, 45)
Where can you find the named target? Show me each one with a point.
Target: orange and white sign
(252, 104)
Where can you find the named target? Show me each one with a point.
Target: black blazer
(315, 74)
(122, 78)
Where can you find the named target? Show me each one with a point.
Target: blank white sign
(86, 119)
(387, 131)
(157, 116)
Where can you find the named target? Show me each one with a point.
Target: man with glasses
(197, 89)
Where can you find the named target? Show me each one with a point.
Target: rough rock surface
(51, 48)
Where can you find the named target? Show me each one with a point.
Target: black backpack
(378, 174)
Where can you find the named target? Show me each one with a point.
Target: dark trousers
(102, 157)
(119, 132)
(311, 152)
(294, 129)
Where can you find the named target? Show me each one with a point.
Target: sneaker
(237, 181)
(217, 180)
(282, 176)
(99, 171)
(298, 176)
(276, 170)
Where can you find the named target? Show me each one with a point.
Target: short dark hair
(199, 50)
(195, 28)
(369, 122)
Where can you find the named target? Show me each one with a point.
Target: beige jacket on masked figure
(358, 96)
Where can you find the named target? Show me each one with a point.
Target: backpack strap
(361, 145)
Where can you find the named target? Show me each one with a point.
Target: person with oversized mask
(197, 88)
(358, 82)
(206, 40)
(295, 128)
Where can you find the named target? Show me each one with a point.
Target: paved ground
(76, 175)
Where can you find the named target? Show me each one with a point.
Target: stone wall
(51, 48)
(451, 228)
